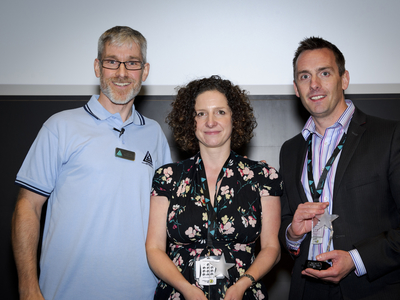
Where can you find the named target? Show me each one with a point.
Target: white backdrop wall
(50, 44)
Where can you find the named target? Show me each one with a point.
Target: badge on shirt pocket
(125, 154)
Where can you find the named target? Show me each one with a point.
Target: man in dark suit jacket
(362, 187)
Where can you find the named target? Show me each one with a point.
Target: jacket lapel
(354, 134)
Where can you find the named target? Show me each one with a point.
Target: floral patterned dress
(236, 217)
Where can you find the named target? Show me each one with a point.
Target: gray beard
(110, 94)
(107, 91)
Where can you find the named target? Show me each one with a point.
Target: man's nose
(315, 83)
(122, 71)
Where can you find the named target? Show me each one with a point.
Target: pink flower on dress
(175, 296)
(260, 295)
(271, 173)
(227, 228)
(252, 221)
(167, 175)
(228, 173)
(246, 173)
(168, 172)
(194, 252)
(171, 215)
(240, 247)
(239, 263)
(182, 187)
(217, 252)
(225, 190)
(178, 260)
(191, 232)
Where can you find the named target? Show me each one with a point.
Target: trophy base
(316, 265)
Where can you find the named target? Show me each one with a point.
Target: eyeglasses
(129, 65)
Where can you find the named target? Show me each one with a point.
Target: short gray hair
(119, 36)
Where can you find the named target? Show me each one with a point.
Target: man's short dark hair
(313, 43)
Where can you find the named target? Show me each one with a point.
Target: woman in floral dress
(208, 211)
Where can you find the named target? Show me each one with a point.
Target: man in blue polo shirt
(95, 166)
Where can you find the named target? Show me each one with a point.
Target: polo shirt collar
(96, 110)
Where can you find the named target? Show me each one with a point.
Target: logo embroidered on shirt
(147, 159)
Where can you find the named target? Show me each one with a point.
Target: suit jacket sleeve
(291, 159)
(380, 246)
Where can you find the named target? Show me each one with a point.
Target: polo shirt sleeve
(41, 166)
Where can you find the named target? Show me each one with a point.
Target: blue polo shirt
(98, 207)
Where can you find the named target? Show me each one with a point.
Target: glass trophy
(324, 220)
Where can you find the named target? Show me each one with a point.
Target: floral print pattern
(237, 208)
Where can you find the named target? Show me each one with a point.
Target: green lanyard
(316, 192)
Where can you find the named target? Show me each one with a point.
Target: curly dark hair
(182, 117)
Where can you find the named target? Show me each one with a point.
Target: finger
(309, 274)
(311, 208)
(325, 256)
(304, 215)
(331, 255)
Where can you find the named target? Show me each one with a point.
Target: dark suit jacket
(367, 199)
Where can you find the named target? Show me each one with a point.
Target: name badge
(125, 154)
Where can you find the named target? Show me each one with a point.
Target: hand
(234, 293)
(194, 293)
(303, 219)
(342, 265)
(32, 296)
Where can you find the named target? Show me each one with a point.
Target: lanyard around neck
(316, 192)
